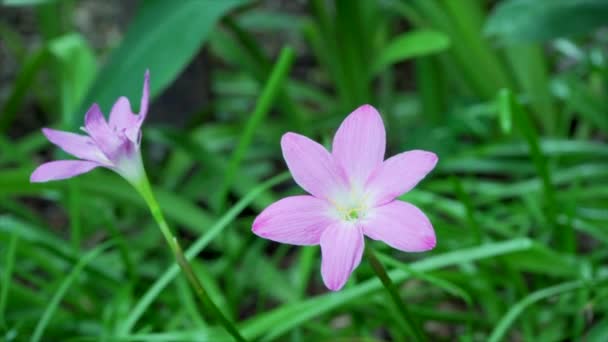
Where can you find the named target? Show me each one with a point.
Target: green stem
(145, 190)
(411, 325)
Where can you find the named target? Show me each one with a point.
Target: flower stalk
(145, 190)
(411, 325)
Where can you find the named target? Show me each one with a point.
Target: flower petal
(312, 167)
(400, 225)
(342, 247)
(296, 220)
(121, 115)
(145, 98)
(105, 138)
(134, 133)
(359, 144)
(77, 145)
(61, 169)
(122, 118)
(398, 175)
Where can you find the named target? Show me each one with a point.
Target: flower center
(352, 214)
(351, 207)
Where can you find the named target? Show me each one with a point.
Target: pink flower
(113, 145)
(353, 193)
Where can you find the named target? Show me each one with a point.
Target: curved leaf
(541, 20)
(410, 45)
(163, 37)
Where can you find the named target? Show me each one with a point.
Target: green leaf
(163, 37)
(76, 68)
(7, 275)
(24, 2)
(541, 20)
(410, 45)
(21, 85)
(504, 111)
(285, 318)
(445, 285)
(65, 285)
(195, 249)
(598, 331)
(104, 184)
(501, 329)
(272, 87)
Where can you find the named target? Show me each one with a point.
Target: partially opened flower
(353, 193)
(113, 144)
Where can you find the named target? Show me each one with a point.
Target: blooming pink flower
(113, 144)
(353, 193)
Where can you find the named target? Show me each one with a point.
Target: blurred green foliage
(512, 95)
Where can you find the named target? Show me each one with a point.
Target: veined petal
(145, 98)
(342, 247)
(105, 138)
(398, 175)
(61, 169)
(296, 220)
(312, 167)
(77, 145)
(360, 143)
(400, 225)
(122, 117)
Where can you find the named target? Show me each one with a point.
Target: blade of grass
(144, 302)
(441, 283)
(409, 45)
(445, 285)
(465, 199)
(163, 37)
(351, 52)
(74, 201)
(506, 101)
(15, 182)
(460, 21)
(63, 288)
(11, 253)
(54, 18)
(33, 63)
(260, 68)
(52, 245)
(431, 84)
(123, 246)
(273, 324)
(263, 105)
(467, 22)
(74, 67)
(530, 67)
(502, 327)
(410, 324)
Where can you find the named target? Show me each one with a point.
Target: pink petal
(359, 144)
(401, 226)
(296, 220)
(105, 138)
(77, 145)
(312, 167)
(122, 118)
(145, 98)
(398, 175)
(121, 115)
(61, 169)
(342, 246)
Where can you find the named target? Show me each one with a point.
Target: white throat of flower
(131, 167)
(351, 207)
